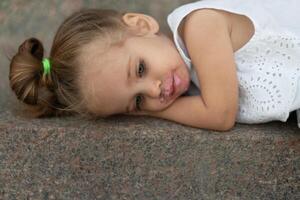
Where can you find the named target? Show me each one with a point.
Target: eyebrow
(128, 69)
(128, 78)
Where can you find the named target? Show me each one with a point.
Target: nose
(154, 89)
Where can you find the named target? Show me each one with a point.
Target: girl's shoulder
(240, 27)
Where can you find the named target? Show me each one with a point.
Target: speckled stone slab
(131, 157)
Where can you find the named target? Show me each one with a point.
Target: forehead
(103, 77)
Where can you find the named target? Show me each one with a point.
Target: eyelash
(138, 101)
(141, 62)
(139, 98)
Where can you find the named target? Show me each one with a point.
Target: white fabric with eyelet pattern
(268, 65)
(269, 74)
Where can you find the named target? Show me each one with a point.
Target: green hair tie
(46, 65)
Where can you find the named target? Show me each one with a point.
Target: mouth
(173, 86)
(168, 89)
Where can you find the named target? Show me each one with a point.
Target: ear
(141, 24)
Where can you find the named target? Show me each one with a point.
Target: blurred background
(22, 19)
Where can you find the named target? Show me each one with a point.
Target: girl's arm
(207, 35)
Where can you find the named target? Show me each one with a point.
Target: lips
(177, 80)
(173, 85)
(168, 87)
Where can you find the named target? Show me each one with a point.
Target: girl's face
(146, 73)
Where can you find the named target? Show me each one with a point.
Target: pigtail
(30, 84)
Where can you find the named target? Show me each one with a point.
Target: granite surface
(131, 157)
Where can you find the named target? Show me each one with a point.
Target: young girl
(243, 56)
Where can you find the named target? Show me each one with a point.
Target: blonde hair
(57, 93)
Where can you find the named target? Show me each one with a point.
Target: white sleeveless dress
(268, 66)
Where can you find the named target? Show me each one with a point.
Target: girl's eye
(141, 68)
(138, 101)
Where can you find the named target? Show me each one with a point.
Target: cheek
(155, 105)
